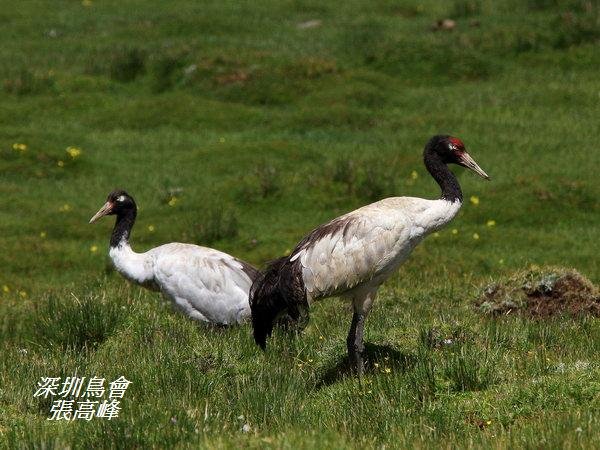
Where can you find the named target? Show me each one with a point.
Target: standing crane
(352, 255)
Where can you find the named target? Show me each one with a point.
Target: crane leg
(356, 346)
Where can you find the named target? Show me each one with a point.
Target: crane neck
(122, 229)
(443, 176)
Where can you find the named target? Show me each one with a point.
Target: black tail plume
(278, 290)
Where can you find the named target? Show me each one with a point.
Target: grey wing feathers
(348, 251)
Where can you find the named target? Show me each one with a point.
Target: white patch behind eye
(121, 198)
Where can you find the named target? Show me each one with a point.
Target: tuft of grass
(540, 5)
(28, 82)
(578, 27)
(126, 64)
(264, 182)
(216, 223)
(466, 8)
(165, 71)
(375, 182)
(70, 322)
(344, 171)
(470, 369)
(422, 378)
(366, 178)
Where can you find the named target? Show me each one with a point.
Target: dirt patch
(541, 293)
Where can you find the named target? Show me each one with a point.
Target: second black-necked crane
(352, 255)
(206, 284)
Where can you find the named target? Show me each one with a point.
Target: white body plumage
(206, 284)
(367, 245)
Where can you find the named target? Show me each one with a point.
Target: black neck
(445, 178)
(122, 228)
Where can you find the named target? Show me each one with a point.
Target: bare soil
(541, 293)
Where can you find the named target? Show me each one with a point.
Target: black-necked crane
(352, 255)
(206, 284)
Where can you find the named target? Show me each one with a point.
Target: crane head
(117, 202)
(452, 151)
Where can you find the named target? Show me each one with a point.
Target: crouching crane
(352, 255)
(206, 284)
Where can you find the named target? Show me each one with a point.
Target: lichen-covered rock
(541, 293)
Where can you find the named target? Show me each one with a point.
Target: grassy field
(242, 125)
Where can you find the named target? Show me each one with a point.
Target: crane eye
(121, 198)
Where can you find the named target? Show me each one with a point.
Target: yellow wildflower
(501, 261)
(73, 152)
(454, 231)
(65, 208)
(436, 234)
(22, 294)
(321, 338)
(222, 140)
(151, 228)
(489, 422)
(491, 223)
(5, 289)
(414, 175)
(19, 147)
(94, 248)
(475, 236)
(387, 370)
(173, 201)
(43, 235)
(60, 164)
(474, 200)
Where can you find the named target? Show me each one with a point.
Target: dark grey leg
(356, 346)
(355, 343)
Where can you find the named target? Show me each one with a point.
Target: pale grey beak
(469, 163)
(106, 209)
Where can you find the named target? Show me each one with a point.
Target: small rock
(309, 24)
(246, 428)
(445, 24)
(190, 70)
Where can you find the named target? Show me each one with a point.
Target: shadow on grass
(376, 356)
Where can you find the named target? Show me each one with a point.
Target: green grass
(261, 130)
